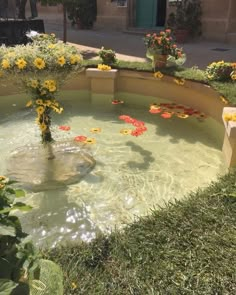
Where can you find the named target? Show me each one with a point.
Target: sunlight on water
(131, 175)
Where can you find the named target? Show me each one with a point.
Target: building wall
(218, 19)
(111, 16)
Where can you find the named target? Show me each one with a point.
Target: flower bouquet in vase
(161, 48)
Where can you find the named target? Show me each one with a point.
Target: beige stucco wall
(110, 16)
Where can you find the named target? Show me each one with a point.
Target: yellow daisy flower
(233, 76)
(40, 110)
(74, 59)
(39, 63)
(48, 103)
(233, 118)
(21, 63)
(125, 131)
(227, 117)
(29, 103)
(158, 75)
(95, 130)
(73, 286)
(61, 61)
(5, 64)
(51, 46)
(90, 140)
(52, 88)
(224, 100)
(46, 83)
(34, 83)
(39, 101)
(182, 116)
(179, 81)
(43, 127)
(103, 67)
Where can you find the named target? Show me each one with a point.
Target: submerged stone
(39, 167)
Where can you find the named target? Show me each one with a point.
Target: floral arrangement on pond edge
(162, 44)
(42, 67)
(221, 71)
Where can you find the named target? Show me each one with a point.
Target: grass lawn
(188, 247)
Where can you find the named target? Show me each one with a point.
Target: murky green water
(132, 174)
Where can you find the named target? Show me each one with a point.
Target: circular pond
(130, 174)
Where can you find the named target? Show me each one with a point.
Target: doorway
(150, 13)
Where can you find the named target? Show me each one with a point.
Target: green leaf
(6, 230)
(21, 206)
(19, 193)
(6, 286)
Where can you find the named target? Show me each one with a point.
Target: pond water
(132, 174)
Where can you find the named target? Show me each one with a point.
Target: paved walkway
(131, 46)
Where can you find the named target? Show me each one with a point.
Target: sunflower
(90, 140)
(40, 110)
(39, 63)
(21, 63)
(125, 131)
(61, 61)
(5, 64)
(95, 130)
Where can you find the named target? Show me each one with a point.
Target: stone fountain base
(38, 167)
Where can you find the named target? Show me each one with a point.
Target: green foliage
(188, 247)
(108, 56)
(17, 254)
(84, 11)
(187, 15)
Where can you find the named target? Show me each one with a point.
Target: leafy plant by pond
(17, 253)
(42, 67)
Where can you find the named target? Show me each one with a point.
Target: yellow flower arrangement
(220, 71)
(42, 67)
(229, 117)
(103, 67)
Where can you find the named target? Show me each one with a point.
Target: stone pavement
(130, 47)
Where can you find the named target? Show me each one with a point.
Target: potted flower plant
(108, 56)
(160, 47)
